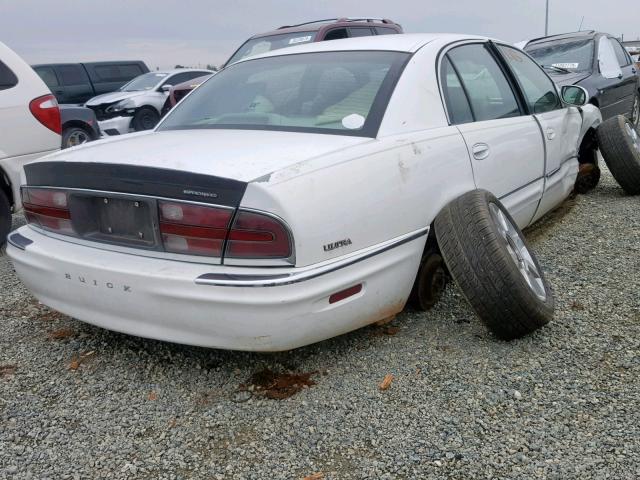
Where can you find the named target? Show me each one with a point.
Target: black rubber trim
(19, 241)
(135, 179)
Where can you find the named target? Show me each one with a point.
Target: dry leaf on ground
(386, 382)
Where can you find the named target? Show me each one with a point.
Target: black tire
(5, 218)
(477, 256)
(430, 282)
(634, 116)
(145, 118)
(589, 173)
(72, 136)
(620, 147)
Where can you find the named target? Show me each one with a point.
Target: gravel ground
(80, 402)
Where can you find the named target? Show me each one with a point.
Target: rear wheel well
(5, 186)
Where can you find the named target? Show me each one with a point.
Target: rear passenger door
(505, 144)
(75, 86)
(560, 126)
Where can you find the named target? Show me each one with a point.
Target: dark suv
(596, 61)
(290, 35)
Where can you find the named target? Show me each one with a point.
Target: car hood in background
(112, 97)
(568, 78)
(243, 155)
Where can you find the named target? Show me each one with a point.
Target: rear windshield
(576, 56)
(344, 93)
(145, 81)
(256, 46)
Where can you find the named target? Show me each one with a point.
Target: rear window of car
(385, 30)
(256, 46)
(344, 93)
(117, 73)
(48, 76)
(72, 75)
(8, 79)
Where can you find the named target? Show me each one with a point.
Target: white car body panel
(381, 194)
(22, 137)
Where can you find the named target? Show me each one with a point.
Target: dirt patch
(61, 334)
(278, 386)
(389, 330)
(7, 370)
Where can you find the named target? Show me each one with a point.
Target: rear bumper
(115, 126)
(215, 306)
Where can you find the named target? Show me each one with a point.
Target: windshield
(574, 56)
(259, 45)
(146, 81)
(322, 92)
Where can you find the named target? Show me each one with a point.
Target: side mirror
(574, 95)
(166, 88)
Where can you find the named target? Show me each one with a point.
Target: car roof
(316, 25)
(406, 42)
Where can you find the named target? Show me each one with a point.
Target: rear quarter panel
(384, 189)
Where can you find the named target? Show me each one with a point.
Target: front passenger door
(504, 144)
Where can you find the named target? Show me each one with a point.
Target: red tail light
(193, 229)
(48, 209)
(255, 235)
(46, 111)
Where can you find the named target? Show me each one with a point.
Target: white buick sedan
(311, 191)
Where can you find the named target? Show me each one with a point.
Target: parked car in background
(137, 106)
(178, 92)
(291, 35)
(596, 61)
(304, 193)
(29, 128)
(79, 125)
(78, 82)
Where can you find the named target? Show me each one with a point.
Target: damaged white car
(137, 105)
(311, 191)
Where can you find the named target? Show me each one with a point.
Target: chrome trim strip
(307, 273)
(19, 241)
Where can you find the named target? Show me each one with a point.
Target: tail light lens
(46, 111)
(48, 209)
(254, 235)
(193, 229)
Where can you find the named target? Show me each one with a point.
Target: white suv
(29, 128)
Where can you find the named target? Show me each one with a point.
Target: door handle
(480, 151)
(551, 133)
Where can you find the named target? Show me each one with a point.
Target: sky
(164, 33)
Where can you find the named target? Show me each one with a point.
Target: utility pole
(546, 21)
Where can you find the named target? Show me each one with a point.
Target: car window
(607, 60)
(454, 95)
(183, 77)
(72, 75)
(343, 93)
(146, 81)
(48, 76)
(489, 92)
(256, 46)
(8, 79)
(385, 31)
(539, 91)
(117, 73)
(572, 55)
(336, 34)
(621, 54)
(360, 32)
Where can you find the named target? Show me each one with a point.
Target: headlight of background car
(120, 106)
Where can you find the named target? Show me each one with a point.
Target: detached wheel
(5, 218)
(74, 136)
(145, 118)
(488, 258)
(620, 148)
